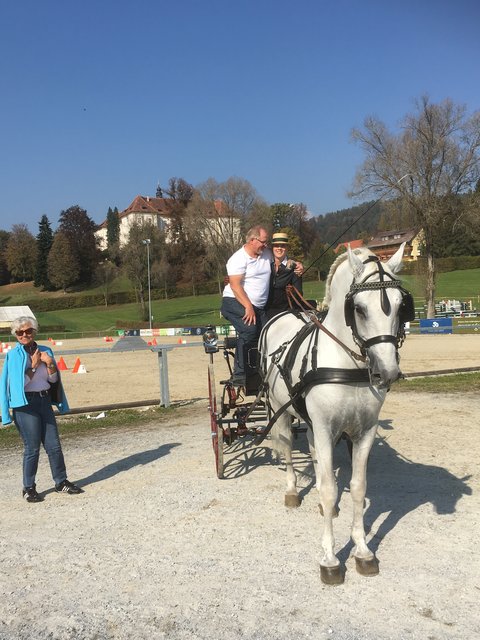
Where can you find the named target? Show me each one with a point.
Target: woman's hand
(299, 269)
(44, 357)
(36, 358)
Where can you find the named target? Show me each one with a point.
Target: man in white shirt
(245, 296)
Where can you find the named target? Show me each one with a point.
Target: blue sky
(102, 99)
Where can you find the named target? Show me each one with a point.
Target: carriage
(239, 412)
(331, 373)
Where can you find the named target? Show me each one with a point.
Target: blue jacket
(12, 383)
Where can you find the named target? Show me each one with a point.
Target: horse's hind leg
(282, 438)
(365, 560)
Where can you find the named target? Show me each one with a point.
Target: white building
(143, 210)
(218, 226)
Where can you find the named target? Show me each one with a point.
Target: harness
(310, 375)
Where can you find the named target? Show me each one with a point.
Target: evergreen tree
(113, 227)
(44, 244)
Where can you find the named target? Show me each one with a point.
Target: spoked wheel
(216, 428)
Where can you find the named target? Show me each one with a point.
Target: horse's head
(376, 308)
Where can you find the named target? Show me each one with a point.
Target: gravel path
(157, 547)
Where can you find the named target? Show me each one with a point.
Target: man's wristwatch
(33, 369)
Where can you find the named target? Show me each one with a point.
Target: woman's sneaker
(30, 494)
(68, 487)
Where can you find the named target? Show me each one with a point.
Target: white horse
(339, 379)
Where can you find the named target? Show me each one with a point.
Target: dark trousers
(247, 335)
(37, 425)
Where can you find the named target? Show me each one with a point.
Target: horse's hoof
(332, 575)
(334, 514)
(367, 567)
(292, 500)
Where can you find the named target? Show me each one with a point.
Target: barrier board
(436, 325)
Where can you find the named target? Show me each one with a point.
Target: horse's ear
(395, 262)
(356, 264)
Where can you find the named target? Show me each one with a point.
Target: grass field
(203, 310)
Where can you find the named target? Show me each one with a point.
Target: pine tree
(113, 227)
(44, 244)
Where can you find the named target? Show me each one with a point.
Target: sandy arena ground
(158, 548)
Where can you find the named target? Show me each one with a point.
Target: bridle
(386, 281)
(406, 310)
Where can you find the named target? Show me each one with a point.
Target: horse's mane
(340, 260)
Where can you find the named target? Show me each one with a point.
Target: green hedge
(79, 301)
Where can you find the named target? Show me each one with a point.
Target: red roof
(147, 204)
(354, 244)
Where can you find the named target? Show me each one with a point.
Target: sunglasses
(262, 241)
(27, 332)
(279, 246)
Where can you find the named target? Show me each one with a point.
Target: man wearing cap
(282, 274)
(245, 296)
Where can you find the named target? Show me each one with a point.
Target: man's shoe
(30, 494)
(68, 487)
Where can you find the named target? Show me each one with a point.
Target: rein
(296, 298)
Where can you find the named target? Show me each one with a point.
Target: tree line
(425, 177)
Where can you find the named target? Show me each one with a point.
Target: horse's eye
(360, 310)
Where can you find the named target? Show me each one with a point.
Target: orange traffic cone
(76, 366)
(61, 366)
(154, 342)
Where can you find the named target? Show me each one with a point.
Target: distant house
(143, 210)
(354, 244)
(386, 243)
(158, 212)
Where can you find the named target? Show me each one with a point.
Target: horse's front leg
(366, 562)
(282, 437)
(330, 570)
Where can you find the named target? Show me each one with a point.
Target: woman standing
(30, 383)
(282, 274)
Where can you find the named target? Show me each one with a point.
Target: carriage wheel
(216, 429)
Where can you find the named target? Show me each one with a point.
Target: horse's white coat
(337, 408)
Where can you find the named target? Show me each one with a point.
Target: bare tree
(104, 275)
(218, 214)
(135, 259)
(430, 164)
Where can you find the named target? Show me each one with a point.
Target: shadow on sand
(396, 485)
(125, 464)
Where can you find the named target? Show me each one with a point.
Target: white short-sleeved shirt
(256, 275)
